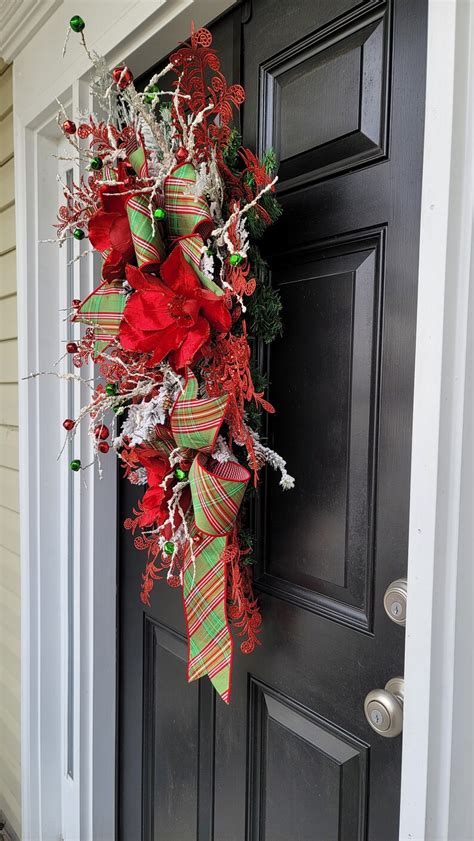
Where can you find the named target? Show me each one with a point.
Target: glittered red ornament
(181, 154)
(69, 424)
(69, 127)
(103, 447)
(123, 76)
(71, 347)
(101, 431)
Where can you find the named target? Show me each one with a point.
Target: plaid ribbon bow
(217, 490)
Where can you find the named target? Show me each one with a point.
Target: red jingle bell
(101, 431)
(69, 127)
(181, 154)
(71, 347)
(69, 424)
(122, 76)
(76, 302)
(103, 447)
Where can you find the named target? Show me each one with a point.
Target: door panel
(338, 89)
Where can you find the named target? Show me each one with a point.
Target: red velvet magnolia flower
(109, 232)
(174, 316)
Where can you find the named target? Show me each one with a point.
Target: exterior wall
(9, 501)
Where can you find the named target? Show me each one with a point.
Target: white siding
(9, 517)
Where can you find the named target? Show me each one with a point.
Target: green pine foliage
(264, 309)
(231, 151)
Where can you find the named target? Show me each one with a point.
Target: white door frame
(55, 805)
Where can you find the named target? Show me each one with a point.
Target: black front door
(337, 88)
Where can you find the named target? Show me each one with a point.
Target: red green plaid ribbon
(189, 219)
(137, 157)
(186, 213)
(103, 310)
(147, 233)
(217, 490)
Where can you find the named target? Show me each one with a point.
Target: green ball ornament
(236, 259)
(76, 23)
(150, 94)
(168, 547)
(79, 233)
(111, 389)
(159, 214)
(180, 474)
(96, 164)
(75, 464)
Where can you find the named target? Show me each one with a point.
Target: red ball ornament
(71, 347)
(76, 302)
(122, 76)
(101, 431)
(69, 424)
(181, 154)
(69, 127)
(103, 447)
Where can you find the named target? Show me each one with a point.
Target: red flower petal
(179, 275)
(139, 279)
(113, 267)
(149, 311)
(113, 198)
(215, 310)
(165, 341)
(99, 229)
(194, 340)
(119, 234)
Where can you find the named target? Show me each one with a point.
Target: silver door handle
(384, 708)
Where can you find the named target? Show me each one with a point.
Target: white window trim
(53, 807)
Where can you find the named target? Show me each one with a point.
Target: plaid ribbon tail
(210, 645)
(217, 490)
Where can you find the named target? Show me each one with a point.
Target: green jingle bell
(168, 547)
(96, 164)
(159, 214)
(76, 23)
(78, 233)
(75, 464)
(150, 94)
(180, 474)
(111, 389)
(235, 259)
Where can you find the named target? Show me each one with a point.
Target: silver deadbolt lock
(384, 708)
(395, 601)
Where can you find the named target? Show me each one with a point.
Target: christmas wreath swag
(174, 205)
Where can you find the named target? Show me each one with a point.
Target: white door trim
(53, 806)
(440, 554)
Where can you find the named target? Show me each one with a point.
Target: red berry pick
(101, 431)
(122, 76)
(69, 127)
